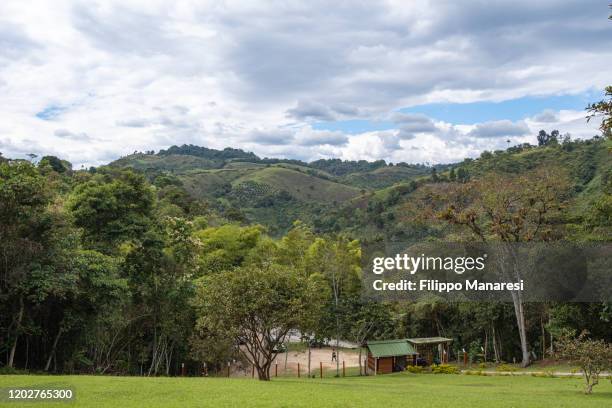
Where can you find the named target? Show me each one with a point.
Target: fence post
(298, 370)
(343, 369)
(228, 369)
(183, 370)
(276, 370)
(321, 369)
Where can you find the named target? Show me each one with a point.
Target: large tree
(504, 209)
(25, 229)
(255, 307)
(339, 260)
(603, 110)
(111, 208)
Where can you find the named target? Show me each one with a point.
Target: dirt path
(323, 355)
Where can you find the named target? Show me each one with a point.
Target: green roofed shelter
(429, 340)
(432, 349)
(388, 356)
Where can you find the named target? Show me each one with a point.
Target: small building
(389, 356)
(432, 349)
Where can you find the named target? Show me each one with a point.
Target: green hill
(274, 192)
(384, 176)
(302, 186)
(363, 198)
(175, 163)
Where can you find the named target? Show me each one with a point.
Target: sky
(413, 81)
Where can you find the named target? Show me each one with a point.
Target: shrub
(11, 371)
(444, 369)
(415, 369)
(593, 356)
(506, 367)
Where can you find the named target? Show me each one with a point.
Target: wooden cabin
(432, 349)
(389, 356)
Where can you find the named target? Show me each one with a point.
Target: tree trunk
(309, 356)
(588, 388)
(263, 372)
(360, 351)
(520, 322)
(543, 338)
(486, 344)
(52, 353)
(495, 350)
(11, 359)
(27, 352)
(337, 327)
(337, 355)
(286, 354)
(517, 300)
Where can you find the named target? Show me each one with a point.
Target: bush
(505, 367)
(11, 371)
(545, 374)
(444, 369)
(415, 369)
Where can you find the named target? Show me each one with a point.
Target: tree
(434, 175)
(112, 208)
(89, 284)
(544, 139)
(25, 225)
(370, 320)
(339, 260)
(159, 271)
(255, 307)
(451, 175)
(603, 109)
(54, 163)
(225, 247)
(462, 175)
(506, 209)
(593, 356)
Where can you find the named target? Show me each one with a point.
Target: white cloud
(309, 137)
(119, 76)
(546, 116)
(272, 137)
(499, 128)
(66, 134)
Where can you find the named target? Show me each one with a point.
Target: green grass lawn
(398, 390)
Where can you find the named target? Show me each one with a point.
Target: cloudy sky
(414, 81)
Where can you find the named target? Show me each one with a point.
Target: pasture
(397, 390)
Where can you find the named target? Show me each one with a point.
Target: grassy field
(397, 390)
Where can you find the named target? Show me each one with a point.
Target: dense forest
(159, 259)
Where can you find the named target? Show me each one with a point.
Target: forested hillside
(273, 192)
(112, 269)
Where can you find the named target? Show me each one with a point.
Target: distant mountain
(269, 190)
(360, 197)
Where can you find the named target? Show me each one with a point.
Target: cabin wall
(385, 365)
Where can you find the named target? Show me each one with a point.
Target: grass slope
(384, 176)
(397, 390)
(174, 162)
(302, 186)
